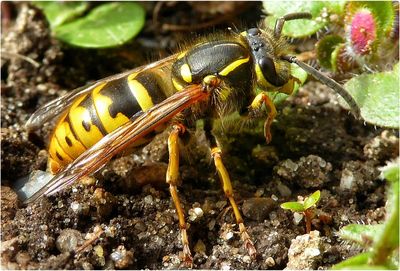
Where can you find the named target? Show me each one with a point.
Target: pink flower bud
(362, 32)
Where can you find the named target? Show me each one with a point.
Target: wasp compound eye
(267, 67)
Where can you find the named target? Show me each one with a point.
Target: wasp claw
(251, 249)
(248, 244)
(187, 257)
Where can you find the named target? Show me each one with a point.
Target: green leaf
(301, 28)
(391, 172)
(335, 57)
(360, 234)
(293, 206)
(387, 240)
(107, 25)
(325, 47)
(312, 200)
(377, 95)
(358, 260)
(59, 12)
(297, 72)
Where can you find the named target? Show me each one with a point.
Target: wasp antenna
(329, 82)
(288, 17)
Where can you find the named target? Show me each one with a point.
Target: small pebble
(225, 266)
(270, 261)
(148, 199)
(305, 251)
(69, 240)
(228, 235)
(195, 213)
(76, 207)
(246, 259)
(122, 258)
(297, 217)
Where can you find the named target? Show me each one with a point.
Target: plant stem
(308, 216)
(386, 241)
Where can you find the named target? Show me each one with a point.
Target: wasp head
(266, 50)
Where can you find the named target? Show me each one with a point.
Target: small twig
(90, 241)
(16, 55)
(156, 12)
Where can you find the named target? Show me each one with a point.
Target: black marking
(59, 156)
(86, 125)
(72, 129)
(151, 84)
(88, 104)
(122, 98)
(240, 82)
(68, 140)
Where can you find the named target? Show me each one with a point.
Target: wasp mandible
(210, 79)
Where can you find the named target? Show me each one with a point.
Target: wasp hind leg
(172, 180)
(228, 190)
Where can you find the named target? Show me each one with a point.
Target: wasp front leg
(216, 154)
(172, 180)
(255, 109)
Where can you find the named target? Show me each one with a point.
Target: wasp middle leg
(216, 154)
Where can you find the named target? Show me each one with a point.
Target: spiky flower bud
(362, 32)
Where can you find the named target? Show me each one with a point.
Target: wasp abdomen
(104, 109)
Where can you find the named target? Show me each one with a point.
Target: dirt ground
(112, 223)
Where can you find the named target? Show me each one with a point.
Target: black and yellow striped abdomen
(101, 111)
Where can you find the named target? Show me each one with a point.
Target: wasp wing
(59, 105)
(99, 154)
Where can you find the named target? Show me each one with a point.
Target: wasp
(209, 79)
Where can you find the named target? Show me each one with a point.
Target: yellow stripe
(233, 66)
(79, 114)
(102, 104)
(140, 92)
(62, 131)
(186, 73)
(56, 148)
(177, 86)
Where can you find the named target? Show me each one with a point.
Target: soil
(125, 219)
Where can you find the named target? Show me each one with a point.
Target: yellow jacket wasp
(209, 79)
